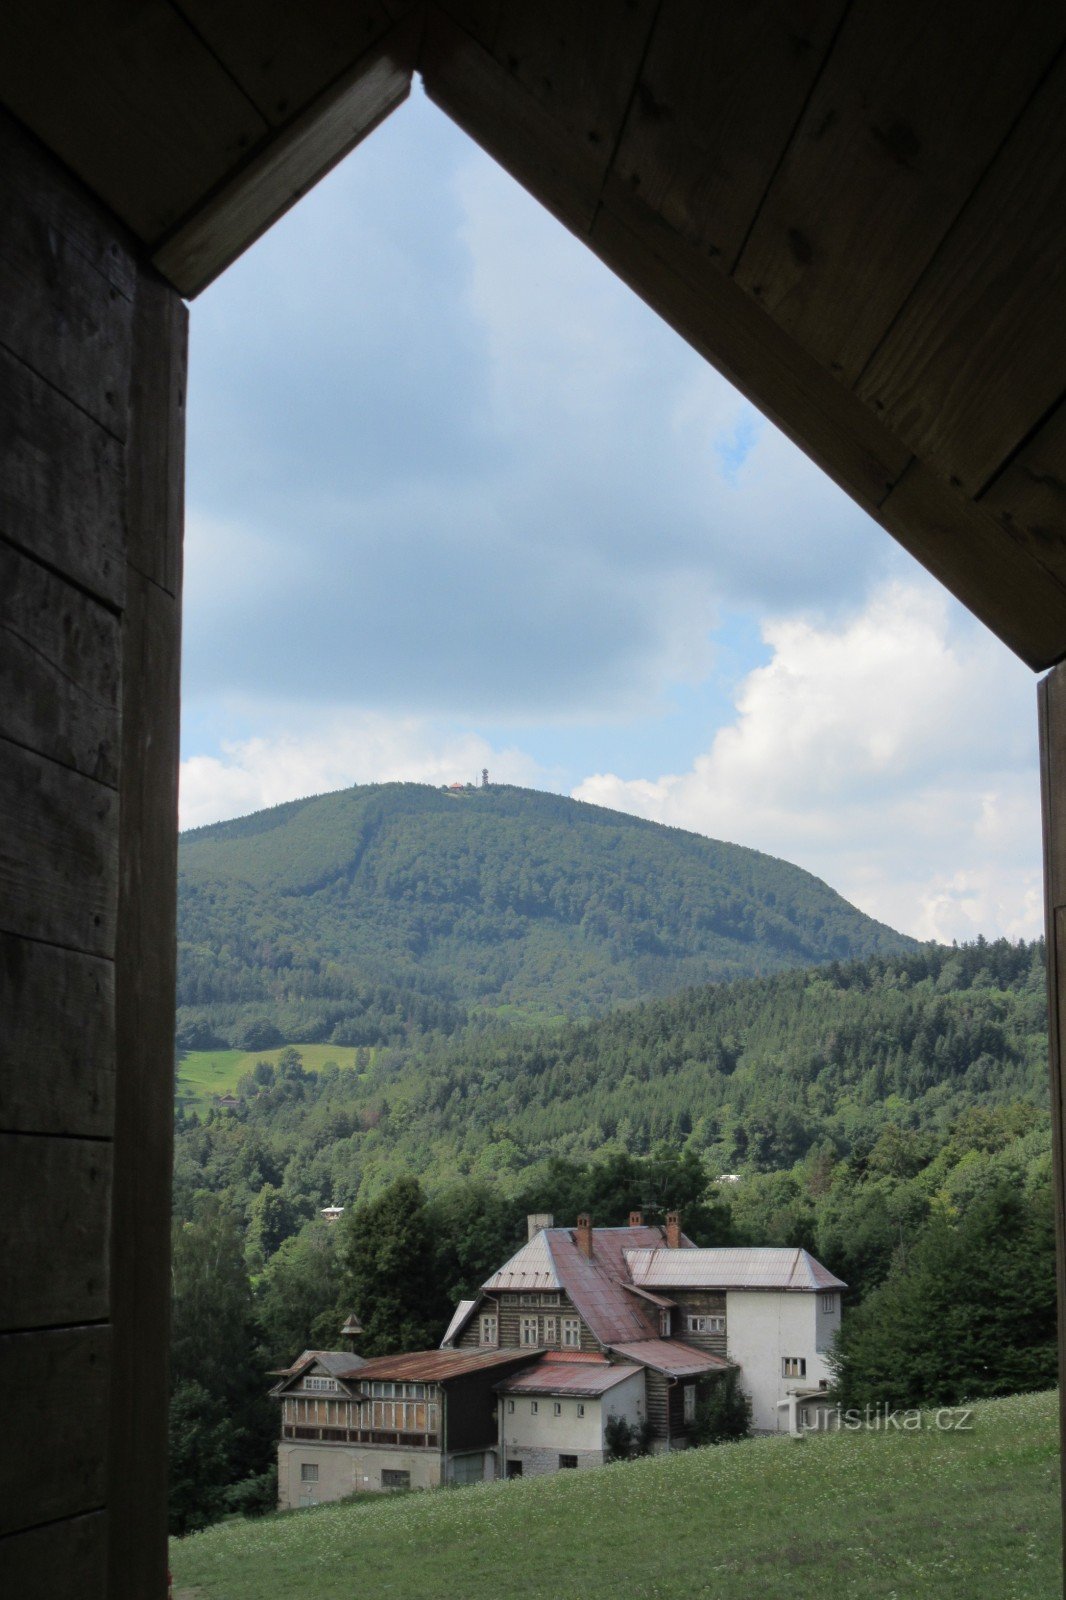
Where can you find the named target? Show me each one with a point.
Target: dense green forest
(389, 911)
(890, 1115)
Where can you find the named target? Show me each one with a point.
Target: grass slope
(203, 1074)
(958, 1516)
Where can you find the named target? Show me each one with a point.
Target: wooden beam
(976, 359)
(1051, 706)
(55, 1194)
(913, 103)
(57, 1064)
(214, 233)
(1029, 496)
(62, 1561)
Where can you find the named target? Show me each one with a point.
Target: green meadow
(882, 1516)
(202, 1074)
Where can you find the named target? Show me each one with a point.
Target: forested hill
(360, 916)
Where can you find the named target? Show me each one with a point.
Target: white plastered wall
(764, 1328)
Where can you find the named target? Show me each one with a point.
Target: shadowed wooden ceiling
(855, 209)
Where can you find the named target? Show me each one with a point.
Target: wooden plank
(579, 62)
(58, 853)
(977, 357)
(1051, 706)
(717, 318)
(145, 977)
(126, 94)
(61, 483)
(1001, 582)
(57, 1040)
(155, 510)
(284, 56)
(913, 103)
(1029, 496)
(64, 1561)
(55, 1388)
(563, 173)
(479, 18)
(58, 313)
(59, 669)
(55, 1201)
(719, 95)
(215, 233)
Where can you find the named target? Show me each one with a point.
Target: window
(793, 1367)
(509, 1299)
(487, 1330)
(551, 1330)
(557, 1409)
(829, 1303)
(529, 1329)
(568, 1463)
(572, 1331)
(321, 1383)
(690, 1402)
(664, 1324)
(510, 1408)
(532, 1408)
(580, 1410)
(308, 1471)
(393, 1479)
(706, 1324)
(549, 1299)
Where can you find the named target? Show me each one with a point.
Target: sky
(457, 499)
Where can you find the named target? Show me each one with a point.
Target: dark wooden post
(91, 397)
(1052, 713)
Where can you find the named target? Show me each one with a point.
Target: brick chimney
(536, 1222)
(584, 1234)
(636, 1219)
(673, 1230)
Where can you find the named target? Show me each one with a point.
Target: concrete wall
(537, 1439)
(345, 1469)
(92, 348)
(764, 1327)
(827, 1322)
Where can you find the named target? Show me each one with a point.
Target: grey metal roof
(776, 1268)
(459, 1317)
(531, 1267)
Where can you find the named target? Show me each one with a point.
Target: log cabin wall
(91, 392)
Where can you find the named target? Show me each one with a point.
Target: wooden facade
(860, 222)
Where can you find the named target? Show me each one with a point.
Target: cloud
(340, 750)
(443, 463)
(891, 752)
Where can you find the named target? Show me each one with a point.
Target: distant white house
(331, 1213)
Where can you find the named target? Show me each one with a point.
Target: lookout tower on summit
(484, 777)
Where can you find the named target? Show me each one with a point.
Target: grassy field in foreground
(956, 1516)
(204, 1073)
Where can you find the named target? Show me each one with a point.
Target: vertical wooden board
(284, 55)
(579, 62)
(983, 566)
(565, 175)
(175, 121)
(59, 315)
(57, 1040)
(155, 507)
(145, 971)
(55, 1198)
(262, 189)
(1053, 769)
(58, 853)
(60, 483)
(976, 358)
(717, 100)
(59, 669)
(1029, 496)
(66, 1561)
(913, 103)
(726, 326)
(55, 1388)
